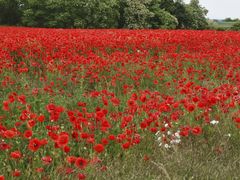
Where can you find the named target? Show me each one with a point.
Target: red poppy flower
(126, 145)
(6, 106)
(4, 146)
(115, 101)
(46, 160)
(81, 163)
(34, 145)
(197, 130)
(41, 118)
(39, 170)
(16, 173)
(63, 140)
(104, 141)
(237, 120)
(27, 134)
(111, 137)
(81, 176)
(9, 134)
(69, 170)
(66, 149)
(71, 159)
(16, 155)
(99, 148)
(22, 99)
(190, 107)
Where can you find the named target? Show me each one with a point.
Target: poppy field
(119, 104)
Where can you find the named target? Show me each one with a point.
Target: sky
(221, 9)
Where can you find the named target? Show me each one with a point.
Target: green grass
(222, 25)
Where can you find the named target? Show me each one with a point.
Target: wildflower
(22, 99)
(237, 120)
(66, 149)
(63, 140)
(9, 134)
(81, 176)
(16, 173)
(228, 135)
(34, 145)
(71, 159)
(16, 155)
(69, 170)
(126, 145)
(39, 170)
(6, 106)
(167, 146)
(197, 130)
(41, 118)
(99, 148)
(214, 122)
(27, 134)
(46, 160)
(190, 107)
(111, 137)
(81, 163)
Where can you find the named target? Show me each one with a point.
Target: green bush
(236, 26)
(163, 19)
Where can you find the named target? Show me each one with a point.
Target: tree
(133, 14)
(236, 26)
(197, 15)
(35, 13)
(181, 14)
(161, 18)
(99, 14)
(136, 14)
(71, 13)
(10, 12)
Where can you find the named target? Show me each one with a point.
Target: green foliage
(71, 14)
(137, 14)
(161, 17)
(132, 14)
(181, 14)
(10, 12)
(35, 13)
(236, 26)
(196, 13)
(96, 14)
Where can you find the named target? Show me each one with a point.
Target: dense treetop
(133, 14)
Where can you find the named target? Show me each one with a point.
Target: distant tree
(161, 18)
(236, 26)
(35, 13)
(228, 19)
(10, 13)
(182, 15)
(133, 14)
(99, 14)
(167, 5)
(71, 13)
(197, 15)
(136, 14)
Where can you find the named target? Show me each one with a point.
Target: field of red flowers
(76, 102)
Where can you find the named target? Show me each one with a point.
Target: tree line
(131, 14)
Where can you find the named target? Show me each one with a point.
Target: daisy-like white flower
(214, 122)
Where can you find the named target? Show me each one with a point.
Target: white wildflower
(213, 122)
(166, 146)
